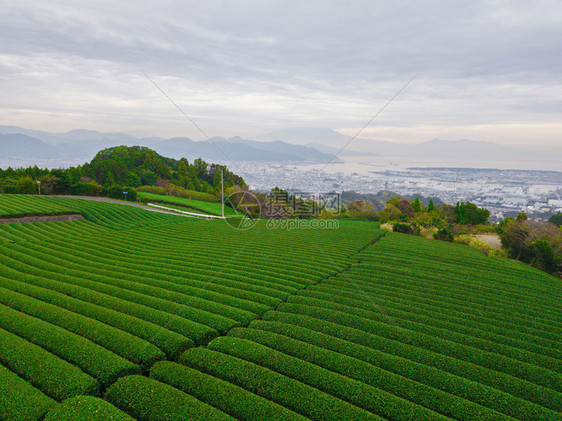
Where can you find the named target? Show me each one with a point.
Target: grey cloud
(284, 62)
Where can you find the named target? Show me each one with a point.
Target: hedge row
(483, 376)
(229, 398)
(264, 267)
(455, 308)
(452, 279)
(451, 276)
(221, 314)
(493, 361)
(429, 397)
(48, 373)
(100, 294)
(246, 292)
(19, 401)
(278, 274)
(290, 393)
(89, 357)
(117, 341)
(173, 318)
(166, 270)
(149, 400)
(85, 302)
(365, 396)
(443, 330)
(189, 280)
(395, 280)
(86, 408)
(430, 314)
(14, 204)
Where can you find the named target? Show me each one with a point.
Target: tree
(470, 214)
(148, 178)
(49, 184)
(430, 206)
(115, 191)
(405, 207)
(535, 242)
(417, 205)
(26, 185)
(556, 219)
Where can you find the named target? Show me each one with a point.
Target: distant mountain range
(330, 141)
(20, 143)
(298, 145)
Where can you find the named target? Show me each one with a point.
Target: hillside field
(131, 314)
(210, 208)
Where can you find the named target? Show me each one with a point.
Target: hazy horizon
(487, 71)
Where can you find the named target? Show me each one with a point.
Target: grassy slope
(320, 324)
(198, 205)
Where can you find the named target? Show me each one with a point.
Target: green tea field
(131, 314)
(211, 208)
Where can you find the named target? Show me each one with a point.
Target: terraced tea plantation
(210, 208)
(131, 314)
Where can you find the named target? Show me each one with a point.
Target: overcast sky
(486, 70)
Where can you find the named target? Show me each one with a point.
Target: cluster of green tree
(116, 170)
(410, 215)
(407, 215)
(538, 243)
(556, 219)
(379, 199)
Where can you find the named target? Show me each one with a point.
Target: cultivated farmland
(131, 314)
(211, 208)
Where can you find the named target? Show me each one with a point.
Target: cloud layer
(485, 69)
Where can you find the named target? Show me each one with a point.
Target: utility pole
(222, 192)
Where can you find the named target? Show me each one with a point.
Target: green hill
(114, 169)
(188, 204)
(135, 314)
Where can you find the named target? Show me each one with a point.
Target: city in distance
(504, 179)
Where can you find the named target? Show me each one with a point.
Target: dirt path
(48, 218)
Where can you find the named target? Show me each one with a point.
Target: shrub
(48, 373)
(518, 387)
(115, 191)
(556, 219)
(19, 400)
(335, 339)
(439, 341)
(290, 393)
(26, 185)
(370, 398)
(535, 242)
(149, 400)
(120, 342)
(223, 395)
(86, 303)
(91, 358)
(444, 234)
(405, 228)
(86, 189)
(403, 387)
(86, 408)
